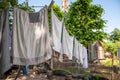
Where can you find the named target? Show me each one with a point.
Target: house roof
(97, 43)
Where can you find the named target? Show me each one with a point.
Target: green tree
(6, 3)
(10, 4)
(57, 11)
(84, 21)
(115, 35)
(26, 7)
(111, 47)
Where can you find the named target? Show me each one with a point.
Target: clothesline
(36, 6)
(63, 43)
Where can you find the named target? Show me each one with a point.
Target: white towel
(81, 56)
(85, 59)
(75, 51)
(78, 51)
(4, 42)
(56, 33)
(67, 44)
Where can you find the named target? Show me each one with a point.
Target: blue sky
(111, 10)
(111, 13)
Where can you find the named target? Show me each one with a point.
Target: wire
(36, 6)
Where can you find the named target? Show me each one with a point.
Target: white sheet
(56, 32)
(75, 51)
(81, 56)
(4, 42)
(67, 44)
(31, 41)
(85, 60)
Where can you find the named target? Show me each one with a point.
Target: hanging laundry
(4, 42)
(62, 42)
(75, 49)
(67, 44)
(31, 39)
(85, 60)
(81, 54)
(78, 51)
(56, 32)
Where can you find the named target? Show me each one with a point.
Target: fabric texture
(85, 59)
(4, 42)
(31, 39)
(62, 42)
(81, 54)
(78, 51)
(56, 32)
(76, 48)
(67, 43)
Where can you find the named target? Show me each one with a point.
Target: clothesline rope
(36, 6)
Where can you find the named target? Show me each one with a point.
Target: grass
(61, 72)
(81, 74)
(108, 62)
(72, 71)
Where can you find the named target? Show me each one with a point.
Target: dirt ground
(31, 75)
(111, 73)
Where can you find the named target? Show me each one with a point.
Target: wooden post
(52, 59)
(112, 76)
(50, 6)
(19, 69)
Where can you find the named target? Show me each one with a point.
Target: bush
(61, 72)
